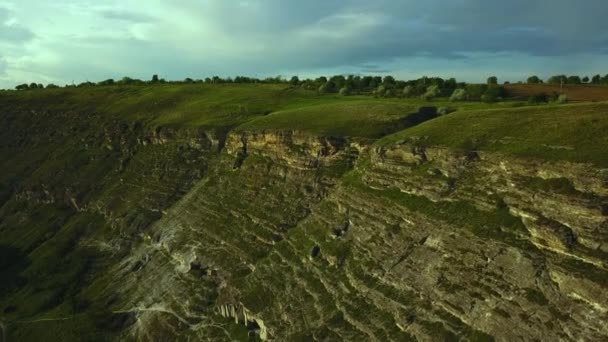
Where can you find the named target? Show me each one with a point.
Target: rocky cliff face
(288, 236)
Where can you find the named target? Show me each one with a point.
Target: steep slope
(116, 228)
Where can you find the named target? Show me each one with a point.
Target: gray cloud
(12, 33)
(127, 16)
(3, 66)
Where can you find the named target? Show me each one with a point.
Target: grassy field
(575, 132)
(259, 106)
(570, 132)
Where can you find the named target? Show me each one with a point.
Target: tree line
(573, 79)
(377, 86)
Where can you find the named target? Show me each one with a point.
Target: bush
(381, 90)
(533, 80)
(345, 91)
(563, 98)
(431, 92)
(23, 86)
(459, 95)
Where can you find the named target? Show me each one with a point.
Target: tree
(475, 91)
(23, 86)
(294, 81)
(388, 81)
(492, 80)
(154, 78)
(107, 82)
(451, 83)
(574, 80)
(557, 79)
(586, 79)
(33, 86)
(458, 95)
(328, 87)
(493, 93)
(339, 81)
(51, 86)
(596, 79)
(533, 80)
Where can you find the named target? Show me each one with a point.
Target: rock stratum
(112, 230)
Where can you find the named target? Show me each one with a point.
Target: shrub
(563, 98)
(458, 95)
(408, 90)
(23, 86)
(445, 110)
(538, 98)
(345, 91)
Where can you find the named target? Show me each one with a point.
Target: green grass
(574, 133)
(361, 118)
(557, 185)
(229, 105)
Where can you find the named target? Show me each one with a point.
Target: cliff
(113, 228)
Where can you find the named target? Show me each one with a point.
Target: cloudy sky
(63, 41)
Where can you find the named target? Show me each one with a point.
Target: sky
(63, 41)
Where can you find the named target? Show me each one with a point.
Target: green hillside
(567, 132)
